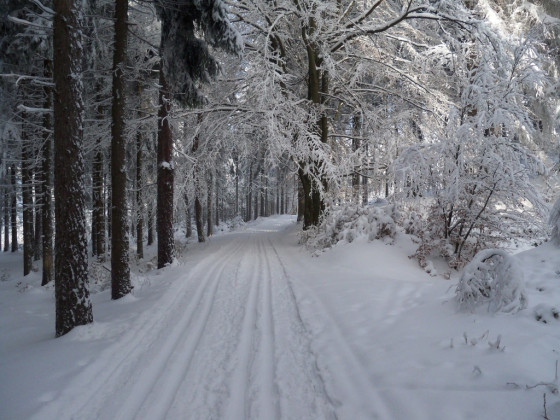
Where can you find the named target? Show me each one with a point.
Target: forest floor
(250, 326)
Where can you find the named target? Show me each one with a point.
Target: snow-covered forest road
(249, 326)
(227, 341)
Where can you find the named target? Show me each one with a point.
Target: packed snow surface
(249, 326)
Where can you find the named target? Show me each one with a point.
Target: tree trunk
(217, 191)
(236, 164)
(282, 198)
(166, 246)
(318, 87)
(46, 187)
(120, 269)
(188, 216)
(261, 194)
(108, 199)
(209, 226)
(267, 207)
(98, 211)
(38, 217)
(139, 201)
(6, 214)
(301, 201)
(278, 193)
(256, 204)
(356, 128)
(199, 219)
(250, 194)
(2, 214)
(150, 216)
(14, 209)
(73, 306)
(27, 199)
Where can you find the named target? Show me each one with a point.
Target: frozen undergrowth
(348, 223)
(492, 278)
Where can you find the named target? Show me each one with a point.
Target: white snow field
(250, 326)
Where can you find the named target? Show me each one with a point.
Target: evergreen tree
(185, 60)
(120, 269)
(73, 306)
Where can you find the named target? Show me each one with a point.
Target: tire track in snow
(300, 388)
(154, 391)
(346, 385)
(238, 404)
(117, 360)
(267, 388)
(92, 393)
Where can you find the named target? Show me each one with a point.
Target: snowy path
(249, 326)
(234, 347)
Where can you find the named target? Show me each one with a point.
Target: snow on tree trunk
(73, 306)
(120, 269)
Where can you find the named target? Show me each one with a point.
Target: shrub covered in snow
(493, 278)
(236, 223)
(345, 224)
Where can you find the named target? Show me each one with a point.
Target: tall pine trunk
(26, 199)
(120, 269)
(38, 217)
(14, 208)
(209, 204)
(188, 216)
(150, 216)
(6, 214)
(46, 185)
(73, 306)
(139, 201)
(199, 217)
(98, 211)
(164, 178)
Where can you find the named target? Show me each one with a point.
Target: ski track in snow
(232, 347)
(237, 337)
(250, 328)
(347, 385)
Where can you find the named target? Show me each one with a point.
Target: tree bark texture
(46, 185)
(6, 215)
(199, 218)
(139, 201)
(98, 211)
(120, 268)
(209, 230)
(150, 216)
(188, 227)
(164, 178)
(13, 208)
(38, 224)
(26, 199)
(73, 306)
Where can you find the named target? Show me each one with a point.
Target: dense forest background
(125, 123)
